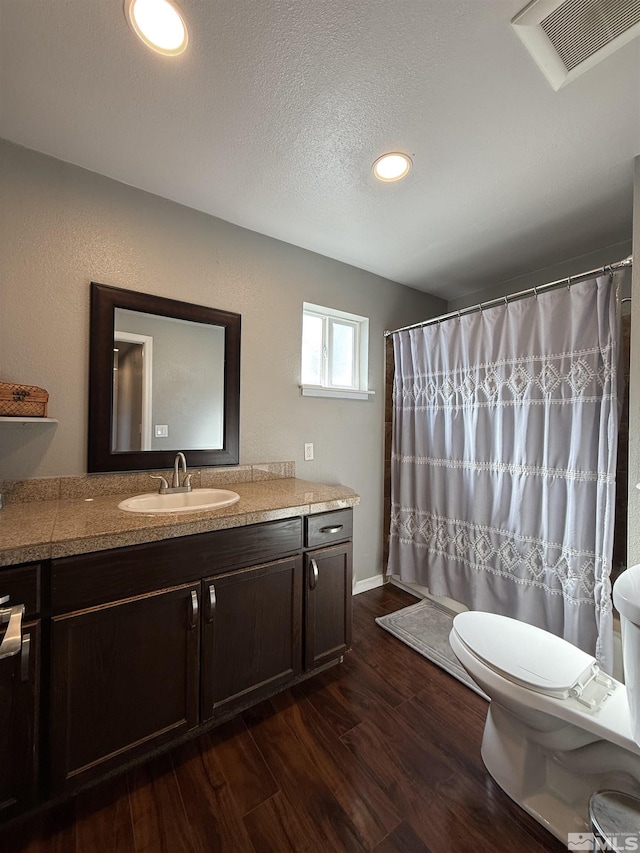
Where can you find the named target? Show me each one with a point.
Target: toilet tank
(626, 598)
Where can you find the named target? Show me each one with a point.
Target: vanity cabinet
(328, 577)
(251, 634)
(20, 693)
(150, 643)
(124, 681)
(327, 605)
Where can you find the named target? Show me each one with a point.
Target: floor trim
(368, 583)
(406, 587)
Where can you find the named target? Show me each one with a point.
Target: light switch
(162, 430)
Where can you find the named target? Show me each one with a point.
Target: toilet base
(552, 785)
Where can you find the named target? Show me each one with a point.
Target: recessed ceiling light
(391, 167)
(159, 24)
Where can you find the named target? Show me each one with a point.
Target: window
(335, 350)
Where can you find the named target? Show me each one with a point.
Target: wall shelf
(25, 422)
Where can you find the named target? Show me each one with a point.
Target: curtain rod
(568, 280)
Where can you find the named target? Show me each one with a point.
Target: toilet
(558, 729)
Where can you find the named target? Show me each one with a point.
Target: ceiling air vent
(567, 37)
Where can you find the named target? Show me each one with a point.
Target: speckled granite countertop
(42, 529)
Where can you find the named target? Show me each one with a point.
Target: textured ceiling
(276, 112)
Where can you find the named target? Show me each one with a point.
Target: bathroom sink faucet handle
(186, 483)
(164, 486)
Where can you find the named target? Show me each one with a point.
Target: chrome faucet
(180, 458)
(175, 485)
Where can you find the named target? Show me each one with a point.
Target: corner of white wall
(633, 512)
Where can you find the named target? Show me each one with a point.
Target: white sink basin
(193, 501)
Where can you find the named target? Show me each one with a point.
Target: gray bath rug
(425, 627)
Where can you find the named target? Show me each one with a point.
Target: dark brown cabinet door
(19, 703)
(327, 609)
(124, 680)
(251, 635)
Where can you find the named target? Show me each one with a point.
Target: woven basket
(23, 401)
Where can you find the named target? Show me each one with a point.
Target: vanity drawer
(240, 547)
(23, 587)
(328, 527)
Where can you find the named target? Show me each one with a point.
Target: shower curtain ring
(506, 300)
(535, 293)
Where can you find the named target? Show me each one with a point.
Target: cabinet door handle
(25, 656)
(193, 621)
(13, 637)
(313, 580)
(212, 603)
(335, 529)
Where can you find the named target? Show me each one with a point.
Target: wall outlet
(308, 452)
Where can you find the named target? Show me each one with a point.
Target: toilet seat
(524, 654)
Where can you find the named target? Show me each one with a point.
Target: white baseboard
(368, 583)
(423, 592)
(415, 590)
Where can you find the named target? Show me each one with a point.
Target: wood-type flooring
(381, 753)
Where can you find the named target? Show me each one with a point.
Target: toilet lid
(522, 653)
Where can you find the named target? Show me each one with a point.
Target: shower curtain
(505, 427)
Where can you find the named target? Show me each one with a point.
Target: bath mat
(425, 627)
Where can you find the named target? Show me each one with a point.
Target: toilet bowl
(558, 728)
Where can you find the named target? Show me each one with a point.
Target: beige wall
(572, 266)
(633, 536)
(62, 227)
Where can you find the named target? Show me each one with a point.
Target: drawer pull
(212, 603)
(25, 655)
(313, 580)
(194, 609)
(13, 637)
(336, 528)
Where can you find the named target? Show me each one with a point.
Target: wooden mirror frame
(101, 458)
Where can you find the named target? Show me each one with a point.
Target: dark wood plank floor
(379, 754)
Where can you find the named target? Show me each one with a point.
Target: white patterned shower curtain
(503, 460)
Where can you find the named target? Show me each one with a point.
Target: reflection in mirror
(164, 376)
(162, 396)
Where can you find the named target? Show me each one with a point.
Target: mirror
(164, 376)
(162, 397)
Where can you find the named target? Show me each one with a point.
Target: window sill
(341, 393)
